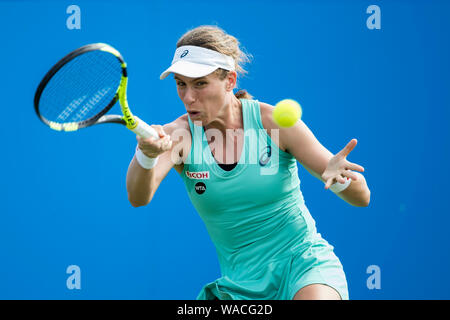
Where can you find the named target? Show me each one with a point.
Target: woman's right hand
(153, 148)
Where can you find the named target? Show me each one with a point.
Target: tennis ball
(286, 113)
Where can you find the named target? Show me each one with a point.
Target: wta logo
(197, 175)
(200, 187)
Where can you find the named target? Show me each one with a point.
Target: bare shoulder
(268, 123)
(266, 115)
(181, 123)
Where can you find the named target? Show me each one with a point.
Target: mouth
(193, 113)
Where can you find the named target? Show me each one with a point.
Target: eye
(180, 84)
(200, 83)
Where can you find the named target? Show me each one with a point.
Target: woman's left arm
(299, 141)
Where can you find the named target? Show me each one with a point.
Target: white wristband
(144, 161)
(338, 187)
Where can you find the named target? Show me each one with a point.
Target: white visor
(197, 62)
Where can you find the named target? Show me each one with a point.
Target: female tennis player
(245, 186)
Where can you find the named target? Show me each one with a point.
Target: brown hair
(214, 38)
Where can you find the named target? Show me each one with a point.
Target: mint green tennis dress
(266, 240)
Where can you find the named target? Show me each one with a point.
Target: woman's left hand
(339, 169)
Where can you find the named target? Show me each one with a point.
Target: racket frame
(99, 118)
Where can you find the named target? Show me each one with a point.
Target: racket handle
(144, 130)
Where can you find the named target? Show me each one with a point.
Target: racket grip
(144, 130)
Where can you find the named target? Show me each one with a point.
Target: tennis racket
(82, 87)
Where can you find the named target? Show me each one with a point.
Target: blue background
(63, 196)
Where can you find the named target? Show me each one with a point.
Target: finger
(354, 166)
(350, 174)
(167, 144)
(164, 142)
(348, 148)
(163, 133)
(160, 143)
(341, 179)
(159, 130)
(329, 183)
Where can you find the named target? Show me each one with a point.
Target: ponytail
(243, 94)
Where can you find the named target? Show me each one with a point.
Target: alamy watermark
(257, 148)
(74, 280)
(374, 280)
(74, 20)
(374, 20)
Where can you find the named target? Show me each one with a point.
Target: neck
(229, 117)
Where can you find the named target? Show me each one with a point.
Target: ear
(231, 80)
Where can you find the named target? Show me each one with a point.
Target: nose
(189, 96)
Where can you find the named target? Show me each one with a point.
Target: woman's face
(204, 97)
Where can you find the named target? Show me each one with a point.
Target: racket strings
(86, 75)
(82, 88)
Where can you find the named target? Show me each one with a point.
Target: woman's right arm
(143, 183)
